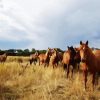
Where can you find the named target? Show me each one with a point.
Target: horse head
(71, 52)
(36, 54)
(83, 51)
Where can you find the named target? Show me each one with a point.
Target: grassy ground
(18, 82)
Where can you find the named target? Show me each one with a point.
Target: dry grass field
(18, 82)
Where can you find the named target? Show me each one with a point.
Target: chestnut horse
(90, 62)
(45, 58)
(68, 59)
(3, 58)
(55, 58)
(34, 58)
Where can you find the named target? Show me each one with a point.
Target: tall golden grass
(38, 83)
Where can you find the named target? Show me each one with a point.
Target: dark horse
(3, 58)
(77, 58)
(90, 62)
(34, 58)
(68, 59)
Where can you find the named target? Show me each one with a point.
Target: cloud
(53, 23)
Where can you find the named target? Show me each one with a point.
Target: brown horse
(45, 58)
(34, 58)
(68, 59)
(55, 58)
(90, 62)
(3, 58)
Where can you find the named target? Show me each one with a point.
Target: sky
(41, 24)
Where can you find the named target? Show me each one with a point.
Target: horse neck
(77, 56)
(47, 55)
(55, 53)
(74, 53)
(90, 57)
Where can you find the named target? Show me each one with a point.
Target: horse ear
(87, 42)
(68, 47)
(71, 46)
(80, 42)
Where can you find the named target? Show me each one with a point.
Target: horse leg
(85, 77)
(57, 63)
(31, 61)
(78, 66)
(93, 80)
(72, 71)
(67, 70)
(64, 66)
(34, 62)
(53, 64)
(39, 62)
(45, 64)
(48, 64)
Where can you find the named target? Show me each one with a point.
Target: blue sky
(49, 23)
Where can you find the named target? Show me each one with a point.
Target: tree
(26, 52)
(33, 50)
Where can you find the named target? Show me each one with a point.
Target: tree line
(27, 52)
(21, 52)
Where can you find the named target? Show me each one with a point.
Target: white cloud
(53, 23)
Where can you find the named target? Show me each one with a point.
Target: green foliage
(25, 52)
(42, 51)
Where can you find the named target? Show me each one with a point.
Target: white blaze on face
(82, 51)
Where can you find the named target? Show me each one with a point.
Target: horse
(68, 59)
(34, 58)
(90, 62)
(45, 58)
(55, 58)
(77, 58)
(3, 58)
